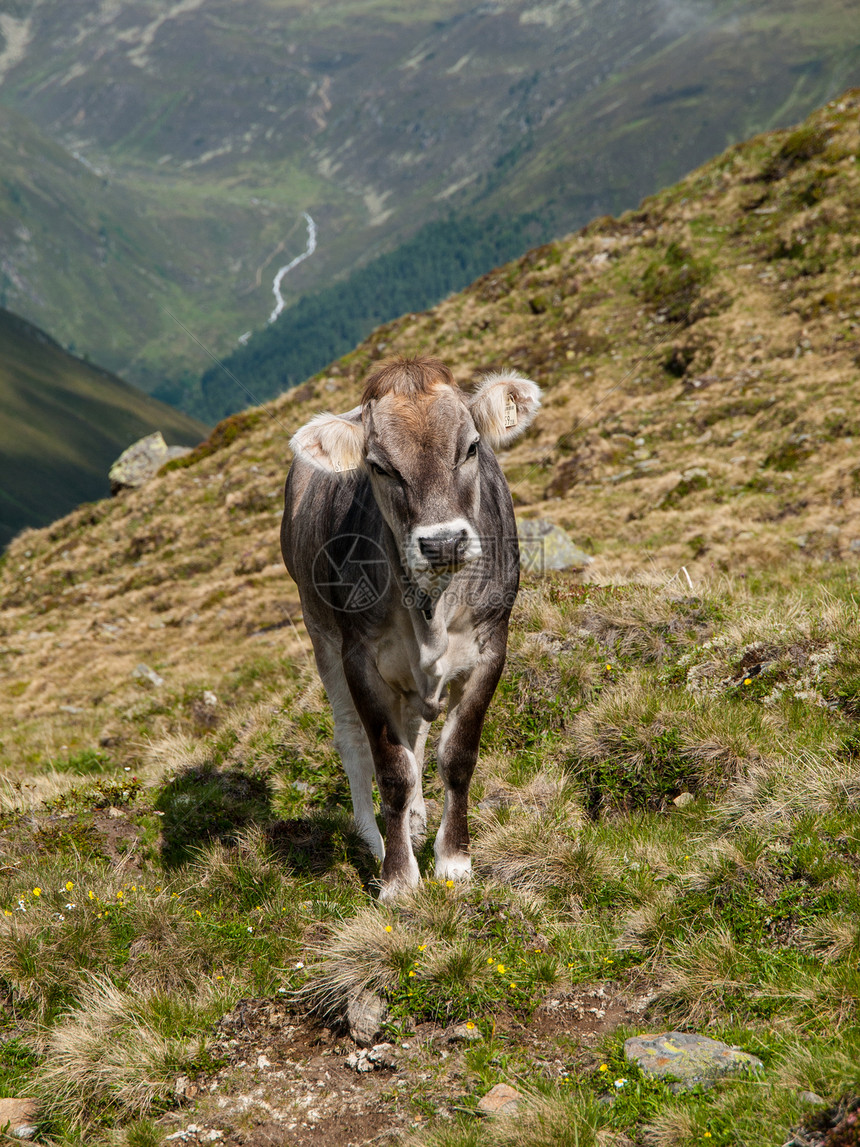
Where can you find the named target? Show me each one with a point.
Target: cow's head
(420, 440)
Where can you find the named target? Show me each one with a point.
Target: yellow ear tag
(510, 413)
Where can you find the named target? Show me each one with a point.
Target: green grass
(738, 913)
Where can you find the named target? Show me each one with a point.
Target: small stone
(811, 1097)
(359, 1061)
(20, 1115)
(263, 1061)
(500, 1100)
(365, 1016)
(683, 799)
(115, 813)
(464, 1033)
(545, 546)
(142, 672)
(383, 1055)
(686, 1058)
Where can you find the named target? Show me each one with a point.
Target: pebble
(142, 672)
(380, 1056)
(463, 1033)
(20, 1114)
(500, 1100)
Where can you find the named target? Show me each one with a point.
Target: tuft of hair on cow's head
(504, 407)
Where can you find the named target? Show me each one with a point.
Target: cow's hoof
(393, 890)
(396, 886)
(453, 868)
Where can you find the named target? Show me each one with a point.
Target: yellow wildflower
(501, 968)
(421, 947)
(37, 891)
(69, 886)
(6, 912)
(411, 974)
(469, 1025)
(747, 680)
(604, 1067)
(388, 928)
(91, 894)
(449, 883)
(120, 894)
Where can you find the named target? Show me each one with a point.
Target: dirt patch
(285, 1078)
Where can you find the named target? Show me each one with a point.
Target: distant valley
(157, 159)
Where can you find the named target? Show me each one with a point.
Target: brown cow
(399, 531)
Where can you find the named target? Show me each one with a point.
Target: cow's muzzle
(448, 552)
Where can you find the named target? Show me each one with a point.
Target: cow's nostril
(445, 551)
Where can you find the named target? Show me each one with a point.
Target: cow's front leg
(458, 754)
(398, 774)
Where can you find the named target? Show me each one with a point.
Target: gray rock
(811, 1097)
(142, 672)
(686, 1058)
(464, 1033)
(20, 1116)
(142, 461)
(545, 546)
(500, 1100)
(365, 1016)
(683, 799)
(380, 1056)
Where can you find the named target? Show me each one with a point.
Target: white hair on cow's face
(504, 407)
(332, 442)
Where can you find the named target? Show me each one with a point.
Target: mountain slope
(62, 423)
(666, 807)
(222, 124)
(699, 359)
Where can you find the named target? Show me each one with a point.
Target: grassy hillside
(63, 423)
(204, 130)
(187, 908)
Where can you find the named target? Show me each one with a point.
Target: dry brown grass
(109, 1050)
(184, 574)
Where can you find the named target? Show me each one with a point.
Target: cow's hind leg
(458, 754)
(353, 746)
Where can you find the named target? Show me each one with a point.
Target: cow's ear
(332, 442)
(503, 407)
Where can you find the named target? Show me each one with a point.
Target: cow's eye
(377, 469)
(473, 450)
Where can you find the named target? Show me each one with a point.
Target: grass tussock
(120, 1049)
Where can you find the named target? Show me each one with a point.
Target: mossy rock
(686, 1059)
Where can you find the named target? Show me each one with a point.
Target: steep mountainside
(214, 126)
(62, 423)
(699, 359)
(665, 812)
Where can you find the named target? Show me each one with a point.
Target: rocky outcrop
(142, 461)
